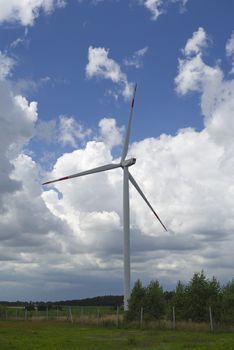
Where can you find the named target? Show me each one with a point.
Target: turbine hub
(128, 162)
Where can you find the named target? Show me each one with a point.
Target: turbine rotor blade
(87, 172)
(133, 181)
(126, 141)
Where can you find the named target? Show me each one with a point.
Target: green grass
(17, 335)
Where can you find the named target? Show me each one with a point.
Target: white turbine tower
(124, 164)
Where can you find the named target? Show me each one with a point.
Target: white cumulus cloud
(136, 59)
(101, 66)
(194, 74)
(159, 7)
(230, 50)
(198, 42)
(216, 96)
(65, 131)
(155, 7)
(110, 133)
(6, 65)
(28, 229)
(70, 131)
(25, 12)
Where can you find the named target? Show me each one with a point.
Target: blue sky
(58, 46)
(67, 71)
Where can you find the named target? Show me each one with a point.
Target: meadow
(60, 335)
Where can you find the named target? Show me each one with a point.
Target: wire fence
(86, 315)
(107, 317)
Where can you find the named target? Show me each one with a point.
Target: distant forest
(99, 301)
(106, 300)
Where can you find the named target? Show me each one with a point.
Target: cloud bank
(189, 183)
(70, 234)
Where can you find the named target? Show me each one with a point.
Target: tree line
(190, 301)
(99, 301)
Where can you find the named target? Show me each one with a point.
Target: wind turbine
(124, 164)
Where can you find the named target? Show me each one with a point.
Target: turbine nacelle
(128, 162)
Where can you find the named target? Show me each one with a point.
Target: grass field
(53, 335)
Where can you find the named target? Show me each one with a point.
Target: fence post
(211, 319)
(57, 312)
(70, 313)
(173, 317)
(98, 315)
(141, 317)
(117, 317)
(25, 314)
(47, 313)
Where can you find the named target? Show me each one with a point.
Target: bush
(136, 302)
(154, 304)
(228, 303)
